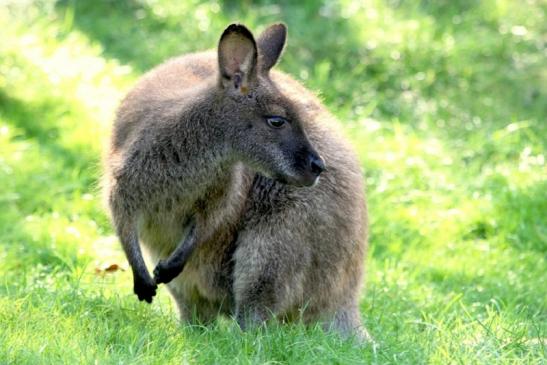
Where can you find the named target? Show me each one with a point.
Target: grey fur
(191, 142)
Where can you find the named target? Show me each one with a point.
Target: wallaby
(235, 175)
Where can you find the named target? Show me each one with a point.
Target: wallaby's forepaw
(163, 273)
(145, 289)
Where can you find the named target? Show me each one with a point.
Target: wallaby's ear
(237, 58)
(270, 45)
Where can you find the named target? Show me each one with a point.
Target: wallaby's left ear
(270, 45)
(237, 58)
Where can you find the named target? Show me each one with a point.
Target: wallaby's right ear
(237, 58)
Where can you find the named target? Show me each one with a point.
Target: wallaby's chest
(209, 269)
(161, 229)
(164, 219)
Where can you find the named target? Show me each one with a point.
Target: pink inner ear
(234, 64)
(235, 51)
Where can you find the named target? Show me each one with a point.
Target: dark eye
(276, 122)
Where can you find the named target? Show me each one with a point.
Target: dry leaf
(108, 269)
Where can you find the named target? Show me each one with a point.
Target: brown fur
(189, 142)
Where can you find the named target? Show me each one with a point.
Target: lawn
(445, 102)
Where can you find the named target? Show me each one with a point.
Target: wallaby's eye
(276, 122)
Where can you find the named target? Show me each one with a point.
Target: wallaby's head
(265, 128)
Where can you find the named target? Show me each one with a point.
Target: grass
(445, 101)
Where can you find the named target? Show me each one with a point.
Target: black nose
(317, 165)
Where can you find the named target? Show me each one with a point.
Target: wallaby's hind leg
(192, 307)
(347, 322)
(166, 270)
(266, 275)
(255, 299)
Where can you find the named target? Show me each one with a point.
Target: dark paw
(145, 289)
(164, 273)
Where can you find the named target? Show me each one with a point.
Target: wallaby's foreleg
(143, 284)
(124, 219)
(168, 269)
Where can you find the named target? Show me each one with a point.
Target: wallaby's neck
(203, 154)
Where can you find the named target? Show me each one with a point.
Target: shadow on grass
(137, 34)
(127, 30)
(492, 288)
(327, 46)
(518, 224)
(143, 37)
(518, 218)
(459, 79)
(38, 121)
(47, 178)
(25, 256)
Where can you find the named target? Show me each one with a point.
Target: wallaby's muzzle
(313, 165)
(317, 164)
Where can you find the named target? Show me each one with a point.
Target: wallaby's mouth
(308, 181)
(304, 171)
(307, 178)
(307, 171)
(294, 180)
(297, 181)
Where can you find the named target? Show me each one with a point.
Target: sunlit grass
(445, 103)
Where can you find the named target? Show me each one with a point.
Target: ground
(445, 101)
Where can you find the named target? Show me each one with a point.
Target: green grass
(445, 101)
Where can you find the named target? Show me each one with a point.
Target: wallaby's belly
(209, 269)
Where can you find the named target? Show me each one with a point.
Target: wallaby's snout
(316, 164)
(309, 167)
